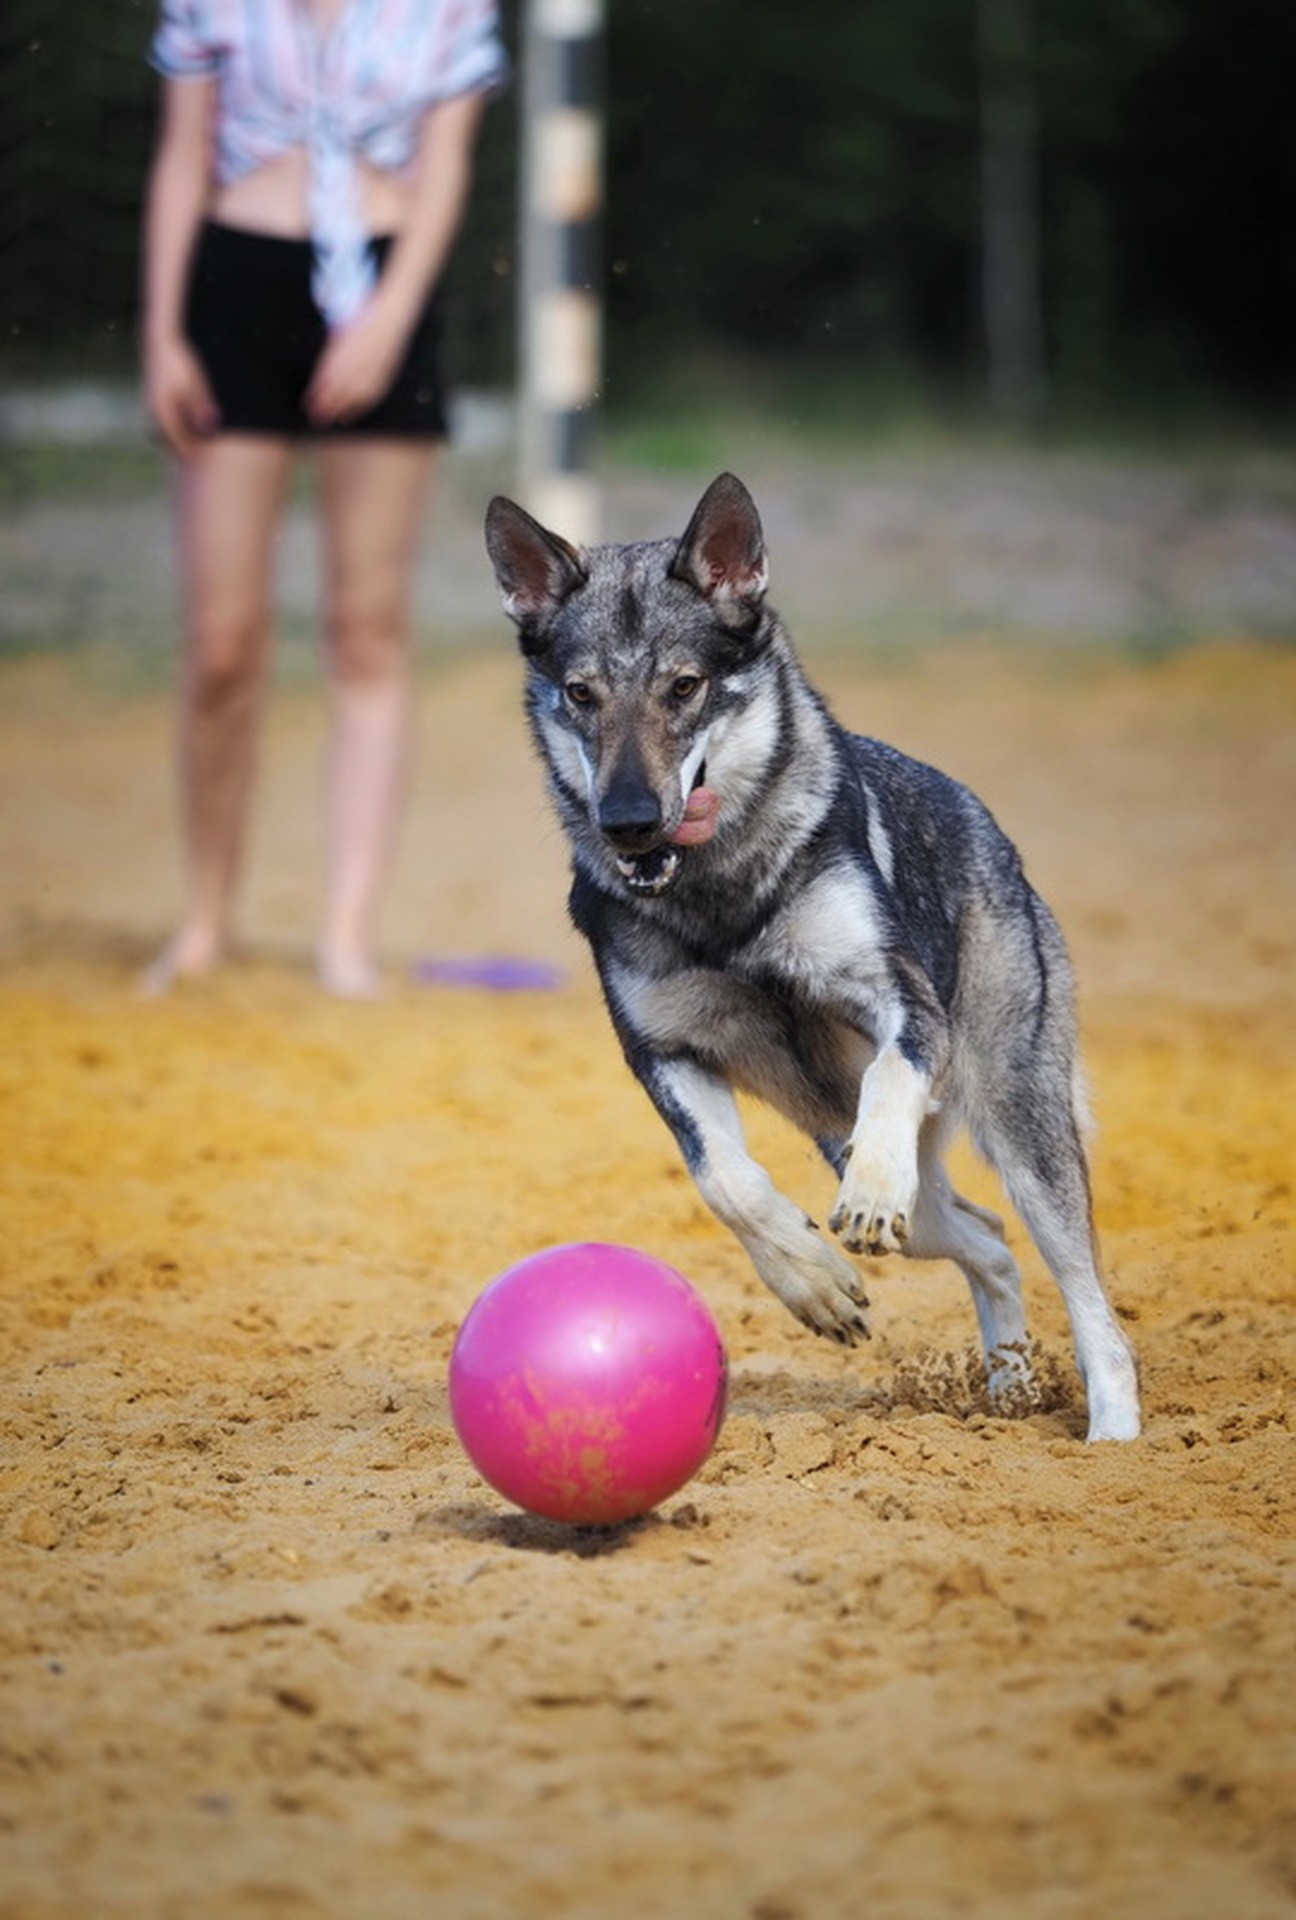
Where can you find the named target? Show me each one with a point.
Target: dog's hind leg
(810, 1277)
(949, 1227)
(1033, 1141)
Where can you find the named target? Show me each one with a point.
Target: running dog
(778, 906)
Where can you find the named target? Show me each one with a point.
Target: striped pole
(560, 322)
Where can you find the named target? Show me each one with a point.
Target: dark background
(790, 190)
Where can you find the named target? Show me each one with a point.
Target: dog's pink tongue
(699, 822)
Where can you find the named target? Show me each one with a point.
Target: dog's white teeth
(649, 872)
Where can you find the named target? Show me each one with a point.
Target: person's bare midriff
(274, 198)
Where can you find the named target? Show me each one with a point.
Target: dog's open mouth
(650, 872)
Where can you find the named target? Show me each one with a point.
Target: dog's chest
(811, 975)
(823, 942)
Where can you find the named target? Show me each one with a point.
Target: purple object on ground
(588, 1383)
(496, 972)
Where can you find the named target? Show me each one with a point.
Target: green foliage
(801, 183)
(807, 182)
(770, 183)
(75, 114)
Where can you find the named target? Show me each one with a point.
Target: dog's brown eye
(685, 686)
(578, 692)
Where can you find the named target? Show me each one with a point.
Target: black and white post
(560, 317)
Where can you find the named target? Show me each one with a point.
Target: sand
(268, 1647)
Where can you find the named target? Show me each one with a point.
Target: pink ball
(587, 1383)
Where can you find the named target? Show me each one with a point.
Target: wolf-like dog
(778, 906)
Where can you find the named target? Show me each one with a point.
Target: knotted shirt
(360, 86)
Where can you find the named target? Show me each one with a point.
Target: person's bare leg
(373, 493)
(229, 498)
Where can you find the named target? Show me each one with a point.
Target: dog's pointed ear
(723, 552)
(536, 569)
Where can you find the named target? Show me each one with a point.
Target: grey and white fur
(848, 935)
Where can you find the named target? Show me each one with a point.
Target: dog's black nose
(630, 817)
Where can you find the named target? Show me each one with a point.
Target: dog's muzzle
(657, 867)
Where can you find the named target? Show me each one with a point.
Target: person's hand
(355, 369)
(178, 397)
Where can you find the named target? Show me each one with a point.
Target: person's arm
(176, 390)
(360, 360)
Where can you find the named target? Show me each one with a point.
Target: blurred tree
(1011, 291)
(786, 180)
(1204, 199)
(801, 183)
(1093, 57)
(75, 101)
(811, 183)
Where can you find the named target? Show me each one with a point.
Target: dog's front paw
(875, 1207)
(815, 1284)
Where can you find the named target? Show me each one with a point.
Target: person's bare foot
(192, 953)
(348, 975)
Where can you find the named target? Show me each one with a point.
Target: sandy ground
(269, 1648)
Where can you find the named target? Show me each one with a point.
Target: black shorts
(251, 319)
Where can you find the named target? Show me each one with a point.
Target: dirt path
(268, 1648)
